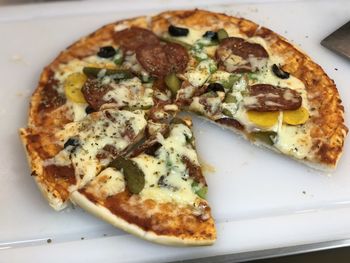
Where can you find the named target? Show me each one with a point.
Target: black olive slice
(106, 52)
(71, 142)
(279, 72)
(178, 31)
(211, 35)
(215, 87)
(89, 109)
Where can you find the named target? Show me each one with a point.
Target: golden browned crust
(203, 234)
(163, 219)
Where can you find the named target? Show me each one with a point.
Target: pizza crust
(52, 196)
(103, 213)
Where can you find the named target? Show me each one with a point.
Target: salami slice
(265, 97)
(161, 59)
(93, 92)
(242, 48)
(244, 51)
(131, 38)
(153, 59)
(177, 56)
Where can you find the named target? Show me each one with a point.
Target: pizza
(104, 133)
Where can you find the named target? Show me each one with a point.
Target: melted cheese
(288, 137)
(192, 37)
(176, 185)
(93, 133)
(130, 93)
(293, 140)
(77, 110)
(107, 183)
(220, 76)
(212, 109)
(198, 76)
(77, 65)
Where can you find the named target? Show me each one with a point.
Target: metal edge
(270, 253)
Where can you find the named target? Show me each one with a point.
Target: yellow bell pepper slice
(296, 117)
(263, 119)
(72, 87)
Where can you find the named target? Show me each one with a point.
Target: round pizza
(103, 131)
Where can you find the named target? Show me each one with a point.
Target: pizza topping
(170, 172)
(200, 190)
(265, 97)
(242, 48)
(296, 117)
(131, 94)
(194, 171)
(177, 31)
(73, 85)
(118, 57)
(169, 39)
(177, 56)
(239, 55)
(213, 36)
(294, 140)
(116, 74)
(89, 109)
(109, 131)
(208, 105)
(106, 52)
(215, 87)
(267, 137)
(263, 120)
(229, 98)
(134, 176)
(173, 83)
(107, 183)
(222, 34)
(230, 123)
(71, 142)
(127, 94)
(161, 59)
(199, 75)
(132, 38)
(94, 92)
(280, 72)
(153, 59)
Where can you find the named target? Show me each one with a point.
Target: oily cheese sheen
(103, 134)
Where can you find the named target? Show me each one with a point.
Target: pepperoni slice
(153, 59)
(194, 171)
(93, 93)
(161, 59)
(241, 48)
(265, 97)
(132, 38)
(229, 122)
(177, 56)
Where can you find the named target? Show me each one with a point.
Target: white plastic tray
(260, 200)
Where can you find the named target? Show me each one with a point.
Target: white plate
(260, 200)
